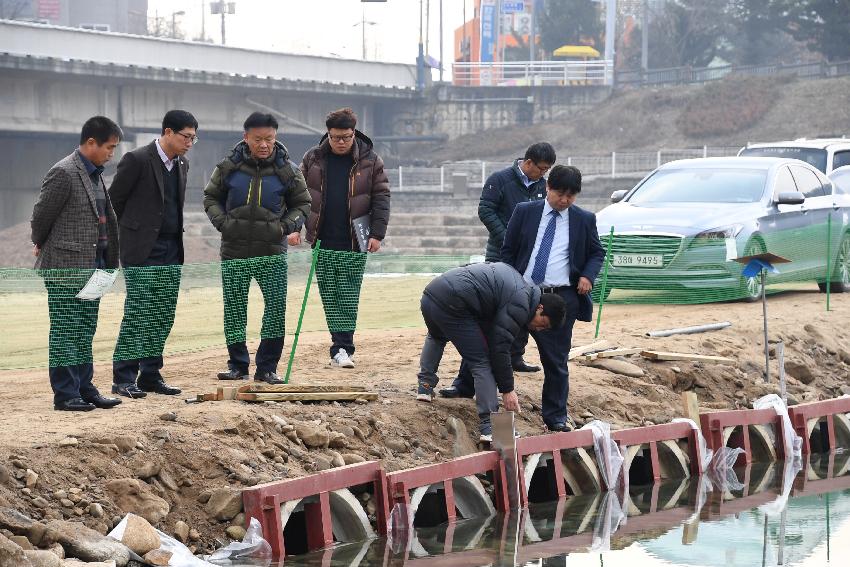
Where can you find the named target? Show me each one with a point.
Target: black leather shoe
(522, 366)
(128, 390)
(559, 427)
(102, 402)
(74, 404)
(233, 374)
(452, 392)
(160, 388)
(268, 378)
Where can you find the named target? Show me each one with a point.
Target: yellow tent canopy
(576, 51)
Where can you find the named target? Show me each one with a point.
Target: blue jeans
(469, 340)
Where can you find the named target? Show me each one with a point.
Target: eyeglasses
(345, 138)
(188, 137)
(542, 168)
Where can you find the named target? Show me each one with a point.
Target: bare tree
(13, 9)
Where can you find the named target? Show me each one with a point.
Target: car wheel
(840, 280)
(750, 288)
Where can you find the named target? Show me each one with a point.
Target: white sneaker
(485, 438)
(342, 360)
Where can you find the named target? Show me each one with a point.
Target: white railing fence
(616, 164)
(532, 73)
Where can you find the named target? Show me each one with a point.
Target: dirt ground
(217, 444)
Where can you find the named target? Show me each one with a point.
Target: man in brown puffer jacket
(349, 215)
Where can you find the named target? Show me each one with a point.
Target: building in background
(122, 16)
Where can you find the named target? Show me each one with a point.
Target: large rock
(312, 436)
(139, 535)
(181, 531)
(224, 504)
(40, 558)
(134, 497)
(11, 555)
(462, 444)
(800, 370)
(618, 367)
(14, 521)
(84, 543)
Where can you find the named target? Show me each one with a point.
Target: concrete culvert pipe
(348, 518)
(471, 500)
(762, 442)
(819, 438)
(581, 472)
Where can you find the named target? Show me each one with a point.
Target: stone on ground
(224, 504)
(134, 497)
(139, 535)
(84, 543)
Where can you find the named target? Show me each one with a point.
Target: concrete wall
(458, 111)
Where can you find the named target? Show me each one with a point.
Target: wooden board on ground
(612, 353)
(658, 355)
(592, 347)
(690, 405)
(306, 396)
(295, 388)
(226, 393)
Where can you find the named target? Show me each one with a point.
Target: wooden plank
(592, 347)
(261, 387)
(658, 355)
(305, 396)
(612, 353)
(226, 393)
(690, 405)
(209, 397)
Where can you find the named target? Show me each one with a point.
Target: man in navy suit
(555, 245)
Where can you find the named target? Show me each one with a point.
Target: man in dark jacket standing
(74, 231)
(504, 189)
(350, 213)
(481, 308)
(255, 197)
(148, 193)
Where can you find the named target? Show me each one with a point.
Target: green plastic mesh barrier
(217, 303)
(390, 288)
(645, 268)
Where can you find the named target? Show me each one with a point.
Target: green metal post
(303, 308)
(828, 257)
(604, 281)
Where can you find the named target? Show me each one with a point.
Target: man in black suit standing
(555, 244)
(148, 193)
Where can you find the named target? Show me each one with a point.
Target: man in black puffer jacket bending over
(481, 309)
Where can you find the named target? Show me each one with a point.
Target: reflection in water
(774, 515)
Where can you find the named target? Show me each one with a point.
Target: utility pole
(428, 27)
(223, 40)
(610, 33)
(363, 29)
(644, 36)
(441, 41)
(203, 21)
(420, 59)
(531, 33)
(498, 55)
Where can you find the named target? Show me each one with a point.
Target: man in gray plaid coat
(74, 231)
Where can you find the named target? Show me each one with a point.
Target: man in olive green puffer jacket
(255, 197)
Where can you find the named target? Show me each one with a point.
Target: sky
(323, 27)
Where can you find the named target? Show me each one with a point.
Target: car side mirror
(617, 196)
(790, 198)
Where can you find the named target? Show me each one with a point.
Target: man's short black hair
(541, 152)
(555, 308)
(564, 178)
(343, 119)
(260, 120)
(101, 129)
(177, 120)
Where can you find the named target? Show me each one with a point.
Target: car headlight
(720, 233)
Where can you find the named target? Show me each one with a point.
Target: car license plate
(638, 260)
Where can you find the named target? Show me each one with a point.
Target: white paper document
(98, 284)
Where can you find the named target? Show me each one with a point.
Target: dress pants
(73, 323)
(152, 291)
(554, 347)
(270, 274)
(470, 341)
